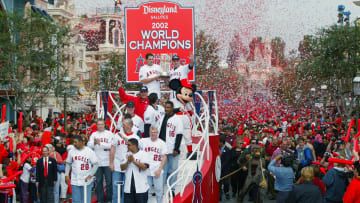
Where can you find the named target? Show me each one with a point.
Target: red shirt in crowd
(58, 158)
(246, 142)
(270, 149)
(352, 194)
(320, 184)
(140, 104)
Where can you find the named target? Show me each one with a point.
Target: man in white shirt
(137, 120)
(157, 150)
(83, 164)
(172, 133)
(118, 153)
(101, 141)
(136, 165)
(149, 75)
(153, 114)
(181, 72)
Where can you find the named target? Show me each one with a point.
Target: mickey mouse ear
(193, 87)
(175, 84)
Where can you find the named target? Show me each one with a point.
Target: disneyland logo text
(160, 10)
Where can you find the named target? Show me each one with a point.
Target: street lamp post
(313, 95)
(324, 94)
(356, 85)
(67, 81)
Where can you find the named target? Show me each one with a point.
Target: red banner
(157, 27)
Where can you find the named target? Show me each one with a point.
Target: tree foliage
(112, 72)
(331, 57)
(31, 58)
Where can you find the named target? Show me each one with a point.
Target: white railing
(214, 117)
(203, 123)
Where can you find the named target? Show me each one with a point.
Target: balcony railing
(109, 10)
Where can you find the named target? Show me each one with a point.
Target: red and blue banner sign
(157, 27)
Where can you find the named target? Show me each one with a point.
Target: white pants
(63, 186)
(187, 136)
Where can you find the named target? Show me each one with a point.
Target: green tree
(331, 57)
(113, 71)
(31, 58)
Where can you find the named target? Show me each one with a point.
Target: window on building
(80, 64)
(116, 37)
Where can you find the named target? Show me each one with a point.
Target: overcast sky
(288, 19)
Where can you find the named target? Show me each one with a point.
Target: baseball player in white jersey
(135, 166)
(171, 132)
(83, 164)
(118, 152)
(137, 120)
(157, 150)
(149, 75)
(153, 114)
(180, 72)
(101, 141)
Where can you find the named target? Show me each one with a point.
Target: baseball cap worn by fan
(143, 89)
(130, 104)
(175, 58)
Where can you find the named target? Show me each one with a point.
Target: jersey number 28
(84, 167)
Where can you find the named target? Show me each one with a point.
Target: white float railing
(214, 117)
(202, 122)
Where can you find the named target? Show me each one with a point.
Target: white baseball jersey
(137, 121)
(121, 147)
(154, 116)
(140, 176)
(156, 150)
(81, 164)
(147, 72)
(186, 118)
(174, 126)
(102, 151)
(180, 72)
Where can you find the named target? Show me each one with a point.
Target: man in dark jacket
(225, 166)
(335, 182)
(306, 191)
(46, 176)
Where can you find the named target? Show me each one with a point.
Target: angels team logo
(197, 179)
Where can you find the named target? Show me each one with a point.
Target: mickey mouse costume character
(182, 107)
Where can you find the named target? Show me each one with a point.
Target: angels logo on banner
(211, 100)
(197, 179)
(197, 102)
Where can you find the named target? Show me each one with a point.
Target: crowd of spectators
(309, 157)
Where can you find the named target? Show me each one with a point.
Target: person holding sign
(149, 75)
